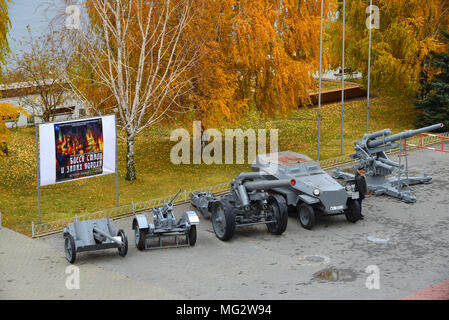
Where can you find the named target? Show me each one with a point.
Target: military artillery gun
(247, 204)
(165, 225)
(371, 152)
(93, 235)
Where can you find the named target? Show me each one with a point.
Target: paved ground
(257, 265)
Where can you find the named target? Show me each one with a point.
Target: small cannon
(247, 204)
(165, 225)
(371, 153)
(93, 235)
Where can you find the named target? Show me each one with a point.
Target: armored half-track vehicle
(165, 226)
(315, 191)
(371, 153)
(246, 205)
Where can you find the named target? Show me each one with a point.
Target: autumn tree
(409, 30)
(43, 64)
(258, 53)
(5, 24)
(133, 60)
(7, 113)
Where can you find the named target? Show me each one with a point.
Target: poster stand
(38, 161)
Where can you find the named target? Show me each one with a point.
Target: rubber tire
(305, 209)
(229, 220)
(279, 227)
(353, 212)
(140, 242)
(192, 235)
(72, 258)
(123, 251)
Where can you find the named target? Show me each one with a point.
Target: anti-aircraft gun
(371, 153)
(165, 225)
(247, 204)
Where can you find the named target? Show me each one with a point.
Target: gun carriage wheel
(278, 212)
(140, 236)
(223, 220)
(124, 249)
(69, 248)
(192, 235)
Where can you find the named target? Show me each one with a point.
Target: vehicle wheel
(353, 212)
(306, 216)
(223, 220)
(140, 236)
(122, 251)
(192, 235)
(69, 248)
(279, 211)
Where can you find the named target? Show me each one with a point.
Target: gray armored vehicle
(315, 192)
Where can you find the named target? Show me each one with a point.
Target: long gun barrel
(403, 135)
(267, 184)
(242, 189)
(173, 199)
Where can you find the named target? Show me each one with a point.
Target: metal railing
(39, 230)
(43, 229)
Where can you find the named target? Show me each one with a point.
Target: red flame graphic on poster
(79, 149)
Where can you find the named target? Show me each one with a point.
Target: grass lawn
(157, 176)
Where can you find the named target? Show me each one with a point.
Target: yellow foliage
(409, 30)
(12, 113)
(258, 53)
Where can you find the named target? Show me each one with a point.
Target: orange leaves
(259, 53)
(5, 24)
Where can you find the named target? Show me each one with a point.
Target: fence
(39, 230)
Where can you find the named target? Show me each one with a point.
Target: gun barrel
(173, 199)
(381, 133)
(268, 184)
(108, 236)
(249, 175)
(389, 162)
(403, 135)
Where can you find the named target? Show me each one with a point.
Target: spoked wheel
(140, 237)
(192, 235)
(223, 221)
(278, 211)
(69, 248)
(122, 251)
(306, 216)
(353, 212)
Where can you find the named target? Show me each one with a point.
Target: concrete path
(407, 243)
(30, 269)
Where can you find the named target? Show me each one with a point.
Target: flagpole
(343, 78)
(369, 68)
(319, 94)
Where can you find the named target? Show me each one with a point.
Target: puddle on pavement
(313, 260)
(334, 274)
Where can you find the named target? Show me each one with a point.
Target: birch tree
(133, 52)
